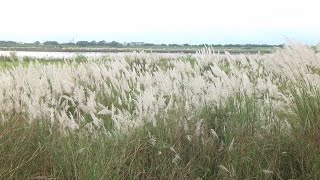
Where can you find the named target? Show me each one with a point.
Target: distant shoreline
(147, 50)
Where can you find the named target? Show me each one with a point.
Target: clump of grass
(229, 143)
(13, 56)
(80, 58)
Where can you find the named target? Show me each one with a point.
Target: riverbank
(145, 49)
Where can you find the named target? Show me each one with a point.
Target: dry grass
(152, 116)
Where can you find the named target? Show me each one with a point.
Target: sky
(161, 21)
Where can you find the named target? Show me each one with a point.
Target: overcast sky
(161, 21)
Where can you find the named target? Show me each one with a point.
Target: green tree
(83, 43)
(51, 43)
(102, 43)
(37, 43)
(93, 43)
(115, 44)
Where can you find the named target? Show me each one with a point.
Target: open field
(162, 116)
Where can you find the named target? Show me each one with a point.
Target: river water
(55, 54)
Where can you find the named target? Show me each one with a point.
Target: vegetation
(114, 46)
(169, 116)
(117, 44)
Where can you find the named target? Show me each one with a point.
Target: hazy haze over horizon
(165, 21)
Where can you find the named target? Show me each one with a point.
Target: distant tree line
(8, 43)
(116, 44)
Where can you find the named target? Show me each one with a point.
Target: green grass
(243, 147)
(7, 62)
(243, 138)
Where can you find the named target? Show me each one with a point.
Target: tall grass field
(162, 116)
